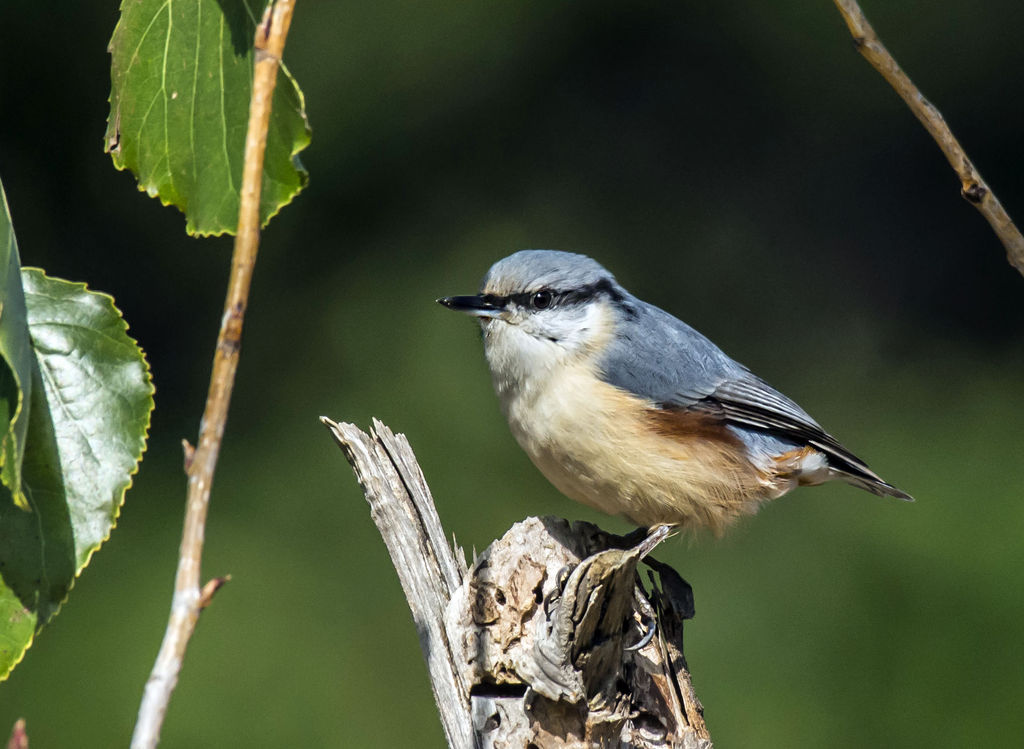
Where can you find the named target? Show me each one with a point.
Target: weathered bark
(549, 639)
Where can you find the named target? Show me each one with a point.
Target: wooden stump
(550, 638)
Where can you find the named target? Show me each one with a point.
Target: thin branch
(973, 187)
(19, 736)
(189, 597)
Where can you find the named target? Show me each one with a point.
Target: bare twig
(189, 598)
(210, 590)
(188, 452)
(19, 737)
(973, 187)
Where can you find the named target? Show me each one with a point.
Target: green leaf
(181, 79)
(15, 360)
(91, 403)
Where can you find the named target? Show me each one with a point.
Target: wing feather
(752, 403)
(661, 358)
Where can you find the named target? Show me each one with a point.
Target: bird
(627, 409)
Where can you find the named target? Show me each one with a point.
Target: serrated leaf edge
(131, 476)
(151, 390)
(17, 493)
(113, 146)
(21, 655)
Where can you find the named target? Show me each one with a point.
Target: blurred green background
(736, 163)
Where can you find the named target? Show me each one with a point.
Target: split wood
(532, 645)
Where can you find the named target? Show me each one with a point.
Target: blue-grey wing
(766, 416)
(661, 358)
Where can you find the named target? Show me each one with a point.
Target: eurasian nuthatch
(631, 411)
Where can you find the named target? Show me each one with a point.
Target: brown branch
(189, 598)
(19, 737)
(973, 187)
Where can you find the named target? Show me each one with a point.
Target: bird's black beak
(477, 305)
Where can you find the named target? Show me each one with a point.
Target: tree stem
(189, 597)
(973, 187)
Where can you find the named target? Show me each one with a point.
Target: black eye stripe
(558, 298)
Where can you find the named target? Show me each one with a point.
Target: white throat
(523, 350)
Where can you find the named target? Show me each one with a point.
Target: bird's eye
(541, 300)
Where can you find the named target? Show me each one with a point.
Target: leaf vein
(163, 91)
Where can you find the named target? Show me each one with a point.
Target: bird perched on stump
(629, 410)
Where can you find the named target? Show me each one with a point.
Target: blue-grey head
(540, 309)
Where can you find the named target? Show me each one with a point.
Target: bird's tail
(870, 481)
